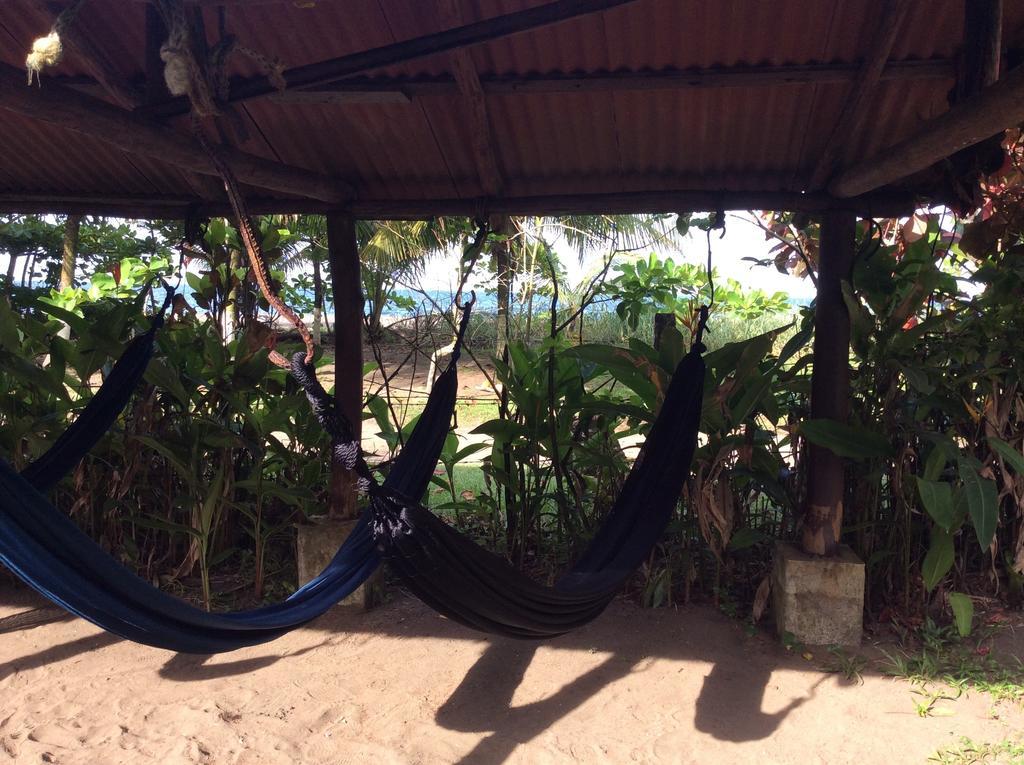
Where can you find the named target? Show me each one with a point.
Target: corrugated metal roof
(744, 138)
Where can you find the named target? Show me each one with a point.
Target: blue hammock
(43, 547)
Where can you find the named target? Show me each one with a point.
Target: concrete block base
(317, 543)
(820, 601)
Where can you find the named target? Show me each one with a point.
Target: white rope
(48, 50)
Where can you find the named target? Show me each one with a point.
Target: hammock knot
(347, 454)
(389, 520)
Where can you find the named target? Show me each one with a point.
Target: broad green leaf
(161, 375)
(187, 475)
(31, 375)
(794, 344)
(195, 281)
(939, 559)
(937, 498)
(208, 510)
(963, 612)
(935, 464)
(754, 387)
(73, 320)
(153, 522)
(468, 451)
(1011, 456)
(982, 503)
(379, 408)
(845, 440)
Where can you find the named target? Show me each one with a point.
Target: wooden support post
(830, 384)
(343, 255)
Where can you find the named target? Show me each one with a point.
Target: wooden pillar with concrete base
(830, 384)
(818, 588)
(319, 541)
(343, 255)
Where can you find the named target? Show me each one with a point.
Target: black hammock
(479, 589)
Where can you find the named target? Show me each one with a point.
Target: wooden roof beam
(881, 204)
(401, 90)
(993, 110)
(472, 92)
(334, 69)
(855, 106)
(83, 114)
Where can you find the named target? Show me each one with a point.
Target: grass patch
(469, 414)
(962, 664)
(968, 752)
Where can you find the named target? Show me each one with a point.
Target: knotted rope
(47, 51)
(204, 79)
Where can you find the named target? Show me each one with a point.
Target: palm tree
(390, 252)
(530, 238)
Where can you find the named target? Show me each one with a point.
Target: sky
(743, 239)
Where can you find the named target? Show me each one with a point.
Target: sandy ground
(402, 685)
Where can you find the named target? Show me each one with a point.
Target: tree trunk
(234, 311)
(503, 265)
(69, 251)
(69, 260)
(318, 296)
(11, 266)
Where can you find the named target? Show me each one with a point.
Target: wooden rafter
(855, 107)
(981, 53)
(331, 70)
(468, 82)
(83, 114)
(996, 108)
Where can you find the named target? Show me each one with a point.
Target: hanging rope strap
(254, 252)
(705, 310)
(460, 336)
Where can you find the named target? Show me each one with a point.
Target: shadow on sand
(728, 708)
(729, 705)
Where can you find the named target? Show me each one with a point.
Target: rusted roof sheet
(755, 137)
